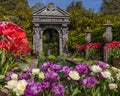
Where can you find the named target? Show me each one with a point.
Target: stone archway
(51, 42)
(54, 17)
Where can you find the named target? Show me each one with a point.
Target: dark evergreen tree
(110, 7)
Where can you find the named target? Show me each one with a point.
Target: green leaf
(75, 92)
(2, 76)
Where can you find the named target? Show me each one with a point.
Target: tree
(18, 12)
(110, 7)
(80, 19)
(37, 6)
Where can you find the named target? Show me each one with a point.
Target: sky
(94, 4)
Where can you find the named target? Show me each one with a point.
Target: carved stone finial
(51, 7)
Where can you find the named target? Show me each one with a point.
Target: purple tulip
(8, 75)
(99, 75)
(103, 65)
(45, 85)
(46, 66)
(67, 69)
(68, 78)
(56, 67)
(33, 89)
(25, 76)
(80, 81)
(52, 76)
(82, 68)
(90, 82)
(58, 90)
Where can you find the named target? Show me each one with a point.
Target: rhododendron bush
(13, 39)
(58, 80)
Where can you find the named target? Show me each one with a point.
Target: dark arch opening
(51, 42)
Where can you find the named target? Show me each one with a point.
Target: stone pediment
(51, 10)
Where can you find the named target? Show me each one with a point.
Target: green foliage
(6, 62)
(115, 52)
(41, 60)
(116, 28)
(95, 54)
(97, 35)
(51, 42)
(61, 57)
(51, 58)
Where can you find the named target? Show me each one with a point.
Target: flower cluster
(80, 47)
(33, 82)
(112, 45)
(93, 45)
(13, 39)
(114, 48)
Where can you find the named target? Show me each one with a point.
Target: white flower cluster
(36, 71)
(17, 86)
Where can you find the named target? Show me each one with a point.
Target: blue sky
(94, 4)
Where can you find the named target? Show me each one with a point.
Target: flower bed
(58, 80)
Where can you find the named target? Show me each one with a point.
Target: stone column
(88, 40)
(41, 42)
(60, 44)
(36, 38)
(65, 38)
(107, 38)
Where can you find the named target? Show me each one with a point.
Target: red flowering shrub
(13, 39)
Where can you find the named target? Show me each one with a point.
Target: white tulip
(41, 75)
(96, 68)
(11, 84)
(20, 87)
(113, 86)
(14, 76)
(114, 69)
(106, 74)
(35, 71)
(74, 75)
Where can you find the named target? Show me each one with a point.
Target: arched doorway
(51, 42)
